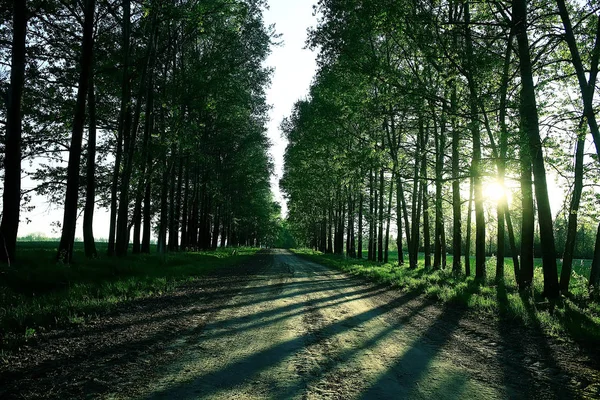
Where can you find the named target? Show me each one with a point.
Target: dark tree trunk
(530, 125)
(440, 145)
(351, 237)
(67, 239)
(595, 272)
(11, 197)
(399, 214)
(184, 214)
(456, 201)
(502, 208)
(147, 228)
(175, 200)
(360, 226)
(527, 220)
(124, 122)
(371, 216)
(426, 228)
(90, 176)
(468, 239)
(586, 87)
(146, 162)
(480, 271)
(416, 199)
(325, 234)
(216, 226)
(386, 256)
(405, 215)
(381, 217)
(567, 266)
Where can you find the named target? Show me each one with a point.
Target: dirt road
(285, 328)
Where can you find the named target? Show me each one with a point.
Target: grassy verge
(574, 317)
(38, 293)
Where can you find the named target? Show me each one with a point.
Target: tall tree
(11, 196)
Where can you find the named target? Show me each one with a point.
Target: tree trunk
(371, 216)
(381, 217)
(67, 239)
(416, 199)
(456, 200)
(90, 176)
(528, 220)
(360, 226)
(567, 266)
(147, 228)
(146, 161)
(425, 189)
(399, 213)
(440, 145)
(468, 239)
(386, 256)
(480, 271)
(530, 124)
(124, 123)
(586, 88)
(11, 197)
(184, 214)
(595, 271)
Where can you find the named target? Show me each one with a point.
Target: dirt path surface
(284, 328)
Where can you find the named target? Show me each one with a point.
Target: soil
(281, 327)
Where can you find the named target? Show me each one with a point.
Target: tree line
(420, 107)
(155, 110)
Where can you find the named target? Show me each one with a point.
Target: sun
(494, 191)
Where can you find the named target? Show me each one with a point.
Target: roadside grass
(38, 293)
(574, 316)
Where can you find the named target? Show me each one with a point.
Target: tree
(12, 147)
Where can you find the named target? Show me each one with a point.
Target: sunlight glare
(494, 191)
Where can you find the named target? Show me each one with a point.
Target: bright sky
(294, 69)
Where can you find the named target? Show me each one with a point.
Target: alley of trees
(152, 109)
(448, 123)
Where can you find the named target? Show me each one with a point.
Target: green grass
(574, 317)
(38, 293)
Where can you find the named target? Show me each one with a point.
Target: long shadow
(256, 325)
(512, 353)
(349, 354)
(112, 352)
(415, 362)
(524, 351)
(142, 305)
(238, 372)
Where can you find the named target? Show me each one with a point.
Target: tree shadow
(248, 368)
(529, 367)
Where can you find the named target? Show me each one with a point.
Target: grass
(38, 293)
(574, 316)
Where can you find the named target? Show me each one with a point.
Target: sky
(294, 68)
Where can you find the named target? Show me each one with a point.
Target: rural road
(286, 328)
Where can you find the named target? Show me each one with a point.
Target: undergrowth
(38, 293)
(573, 317)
